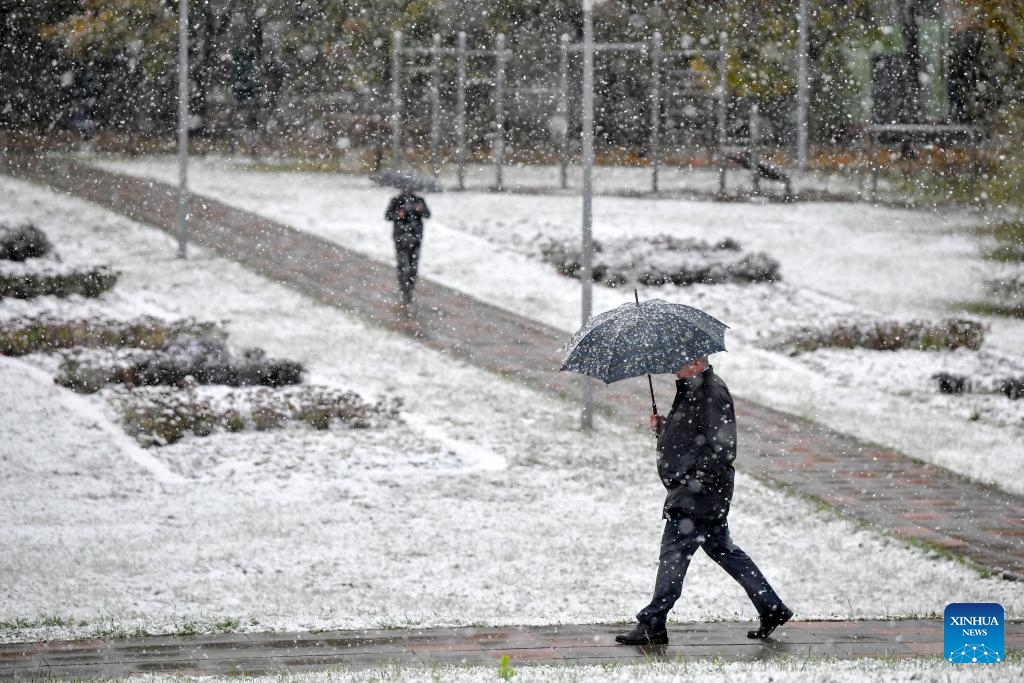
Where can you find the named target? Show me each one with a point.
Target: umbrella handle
(654, 406)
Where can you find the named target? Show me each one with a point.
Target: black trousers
(680, 541)
(407, 252)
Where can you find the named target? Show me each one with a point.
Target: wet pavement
(276, 653)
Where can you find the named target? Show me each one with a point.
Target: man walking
(407, 211)
(696, 449)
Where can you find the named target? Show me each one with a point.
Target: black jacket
(697, 448)
(407, 211)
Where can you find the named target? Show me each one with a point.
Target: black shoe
(770, 622)
(644, 634)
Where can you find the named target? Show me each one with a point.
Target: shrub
(23, 242)
(19, 336)
(661, 260)
(232, 420)
(1011, 387)
(158, 416)
(202, 360)
(88, 283)
(159, 420)
(888, 335)
(951, 384)
(265, 418)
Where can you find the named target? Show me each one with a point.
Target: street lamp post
(182, 127)
(586, 416)
(803, 91)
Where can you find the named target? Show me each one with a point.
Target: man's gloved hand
(657, 423)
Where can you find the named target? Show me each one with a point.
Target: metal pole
(563, 108)
(802, 89)
(655, 108)
(460, 108)
(872, 166)
(396, 99)
(182, 127)
(586, 416)
(499, 111)
(862, 169)
(755, 147)
(720, 104)
(435, 105)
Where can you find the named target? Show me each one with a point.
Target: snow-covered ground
(791, 671)
(484, 505)
(838, 261)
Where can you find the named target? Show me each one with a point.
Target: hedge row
(19, 336)
(205, 360)
(888, 335)
(88, 283)
(161, 416)
(661, 260)
(1011, 387)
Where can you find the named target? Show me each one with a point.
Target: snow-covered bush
(1008, 292)
(158, 416)
(20, 336)
(57, 282)
(663, 259)
(205, 359)
(951, 384)
(1011, 387)
(888, 335)
(23, 242)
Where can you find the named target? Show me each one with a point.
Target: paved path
(256, 653)
(865, 482)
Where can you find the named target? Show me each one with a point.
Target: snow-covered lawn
(790, 671)
(838, 261)
(483, 505)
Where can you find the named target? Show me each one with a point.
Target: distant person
(407, 211)
(696, 449)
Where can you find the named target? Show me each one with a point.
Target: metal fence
(685, 103)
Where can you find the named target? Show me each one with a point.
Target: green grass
(356, 161)
(1004, 245)
(324, 165)
(52, 621)
(227, 625)
(993, 309)
(1009, 237)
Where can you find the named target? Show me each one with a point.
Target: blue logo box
(974, 633)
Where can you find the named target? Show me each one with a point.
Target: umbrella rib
(621, 324)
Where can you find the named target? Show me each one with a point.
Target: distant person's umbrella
(643, 338)
(407, 179)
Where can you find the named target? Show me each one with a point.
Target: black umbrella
(643, 338)
(407, 179)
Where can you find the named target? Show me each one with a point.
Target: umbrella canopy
(407, 179)
(648, 337)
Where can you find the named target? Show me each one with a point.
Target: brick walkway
(256, 653)
(869, 483)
